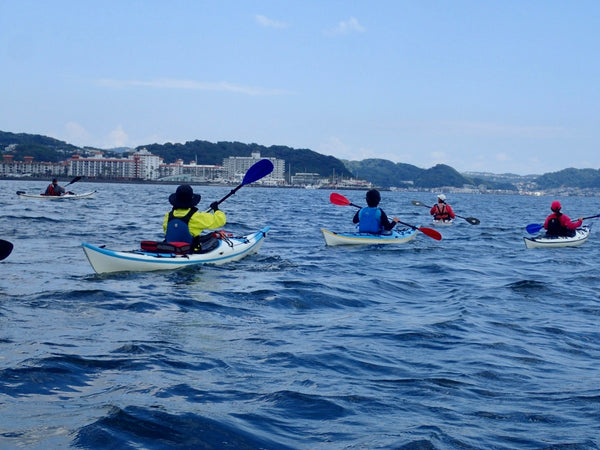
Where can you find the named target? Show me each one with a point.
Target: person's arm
(386, 223)
(356, 217)
(450, 212)
(206, 221)
(433, 210)
(566, 222)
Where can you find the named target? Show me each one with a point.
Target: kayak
(56, 197)
(542, 241)
(442, 223)
(394, 237)
(227, 250)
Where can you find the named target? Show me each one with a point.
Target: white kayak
(543, 241)
(442, 223)
(56, 197)
(227, 250)
(400, 236)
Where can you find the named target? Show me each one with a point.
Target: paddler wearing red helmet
(559, 224)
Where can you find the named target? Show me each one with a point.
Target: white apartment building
(235, 168)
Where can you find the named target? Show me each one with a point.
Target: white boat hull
(57, 197)
(442, 223)
(581, 235)
(107, 261)
(396, 237)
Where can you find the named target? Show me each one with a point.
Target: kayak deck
(57, 197)
(395, 237)
(103, 260)
(543, 241)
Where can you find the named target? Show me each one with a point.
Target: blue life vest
(177, 227)
(369, 220)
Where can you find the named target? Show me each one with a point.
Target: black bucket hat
(184, 197)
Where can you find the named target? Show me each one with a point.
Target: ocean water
(470, 342)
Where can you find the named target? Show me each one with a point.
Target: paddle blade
(431, 233)
(338, 199)
(472, 220)
(417, 203)
(74, 180)
(259, 170)
(5, 249)
(533, 228)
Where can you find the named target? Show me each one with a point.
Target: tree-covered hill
(300, 160)
(42, 148)
(579, 178)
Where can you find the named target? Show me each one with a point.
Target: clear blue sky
(480, 85)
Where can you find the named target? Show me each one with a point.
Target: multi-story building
(236, 167)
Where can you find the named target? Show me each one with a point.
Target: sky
(501, 86)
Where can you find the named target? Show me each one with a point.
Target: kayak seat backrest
(207, 243)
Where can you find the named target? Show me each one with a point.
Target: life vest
(555, 228)
(178, 229)
(50, 191)
(442, 214)
(369, 220)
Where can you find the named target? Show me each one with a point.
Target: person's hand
(214, 206)
(396, 220)
(580, 219)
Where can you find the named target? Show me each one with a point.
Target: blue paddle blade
(533, 228)
(260, 169)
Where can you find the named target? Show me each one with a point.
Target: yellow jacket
(199, 221)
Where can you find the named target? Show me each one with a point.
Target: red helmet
(555, 206)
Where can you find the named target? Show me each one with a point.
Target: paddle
(471, 220)
(258, 170)
(74, 180)
(533, 228)
(5, 249)
(340, 200)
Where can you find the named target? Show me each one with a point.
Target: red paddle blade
(338, 199)
(431, 233)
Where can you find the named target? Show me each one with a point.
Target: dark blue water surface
(470, 342)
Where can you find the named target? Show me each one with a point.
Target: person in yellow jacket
(184, 223)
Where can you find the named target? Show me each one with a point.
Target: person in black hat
(372, 219)
(54, 188)
(184, 223)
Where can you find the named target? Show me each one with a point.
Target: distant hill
(579, 178)
(300, 160)
(42, 148)
(384, 173)
(380, 172)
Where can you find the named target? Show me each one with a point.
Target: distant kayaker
(442, 210)
(184, 223)
(373, 219)
(54, 188)
(559, 224)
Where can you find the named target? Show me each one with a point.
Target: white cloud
(118, 137)
(76, 133)
(167, 83)
(349, 26)
(270, 23)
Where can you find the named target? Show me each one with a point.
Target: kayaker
(184, 223)
(442, 210)
(373, 219)
(559, 224)
(54, 188)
